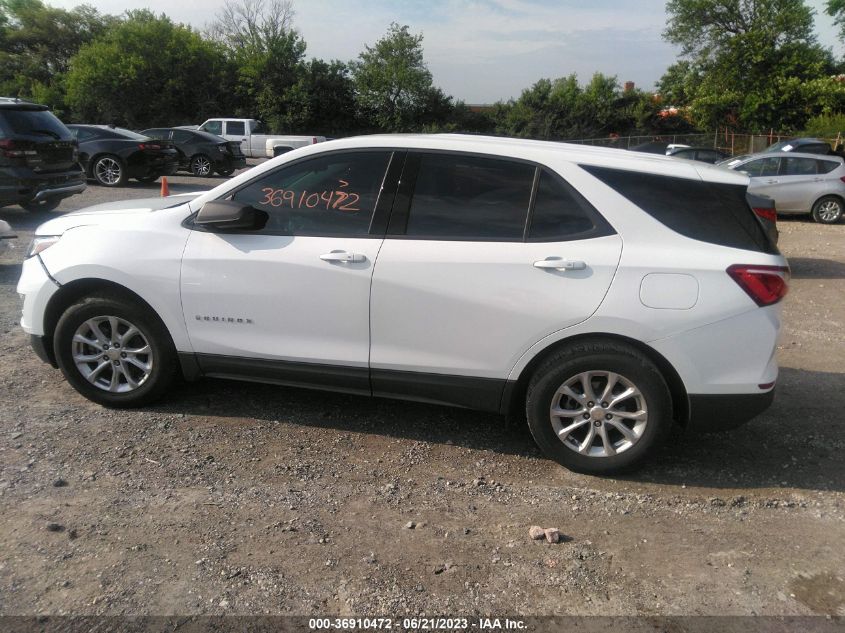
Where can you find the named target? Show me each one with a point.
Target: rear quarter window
(827, 166)
(710, 212)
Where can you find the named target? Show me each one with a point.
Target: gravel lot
(241, 498)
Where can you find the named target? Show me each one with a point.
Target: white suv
(604, 294)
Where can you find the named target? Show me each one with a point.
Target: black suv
(38, 157)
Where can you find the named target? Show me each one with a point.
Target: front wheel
(827, 210)
(42, 206)
(109, 171)
(148, 179)
(115, 351)
(598, 408)
(201, 166)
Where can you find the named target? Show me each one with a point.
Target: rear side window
(827, 166)
(470, 198)
(710, 212)
(561, 213)
(798, 166)
(235, 128)
(183, 136)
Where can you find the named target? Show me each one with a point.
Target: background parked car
(202, 153)
(38, 157)
(803, 145)
(254, 138)
(765, 209)
(111, 155)
(798, 183)
(703, 154)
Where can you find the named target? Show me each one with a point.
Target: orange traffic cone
(165, 190)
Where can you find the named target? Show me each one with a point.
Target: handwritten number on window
(335, 199)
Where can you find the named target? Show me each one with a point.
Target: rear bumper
(721, 412)
(25, 185)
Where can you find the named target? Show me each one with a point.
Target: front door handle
(343, 256)
(560, 264)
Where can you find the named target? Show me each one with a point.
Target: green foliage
(752, 65)
(825, 126)
(146, 70)
(836, 9)
(37, 43)
(562, 109)
(392, 82)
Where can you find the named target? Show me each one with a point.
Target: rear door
(798, 183)
(483, 258)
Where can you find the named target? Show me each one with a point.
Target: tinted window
(330, 195)
(182, 136)
(706, 211)
(215, 127)
(708, 155)
(827, 166)
(686, 153)
(761, 167)
(561, 213)
(466, 197)
(235, 128)
(798, 166)
(158, 134)
(33, 123)
(814, 148)
(84, 134)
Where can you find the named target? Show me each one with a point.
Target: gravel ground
(241, 498)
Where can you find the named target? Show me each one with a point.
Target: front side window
(328, 195)
(213, 127)
(761, 167)
(235, 128)
(561, 213)
(470, 197)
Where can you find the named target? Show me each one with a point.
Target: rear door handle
(772, 182)
(560, 264)
(342, 256)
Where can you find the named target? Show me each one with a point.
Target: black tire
(633, 367)
(109, 171)
(201, 166)
(828, 210)
(226, 172)
(148, 179)
(161, 358)
(43, 206)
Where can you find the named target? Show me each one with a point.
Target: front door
(296, 291)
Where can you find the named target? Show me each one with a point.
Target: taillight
(766, 285)
(314, 140)
(842, 178)
(149, 146)
(768, 214)
(10, 148)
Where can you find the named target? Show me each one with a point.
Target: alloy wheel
(112, 354)
(108, 171)
(830, 210)
(201, 166)
(598, 413)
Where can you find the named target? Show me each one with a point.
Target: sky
(482, 51)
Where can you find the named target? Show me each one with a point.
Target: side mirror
(230, 215)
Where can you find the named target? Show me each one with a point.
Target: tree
(37, 43)
(392, 82)
(147, 71)
(746, 62)
(836, 9)
(260, 41)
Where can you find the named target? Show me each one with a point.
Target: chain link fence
(723, 140)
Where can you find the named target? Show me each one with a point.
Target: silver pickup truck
(255, 142)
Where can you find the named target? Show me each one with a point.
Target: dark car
(703, 154)
(38, 157)
(651, 147)
(202, 153)
(111, 155)
(804, 145)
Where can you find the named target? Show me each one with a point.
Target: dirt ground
(241, 498)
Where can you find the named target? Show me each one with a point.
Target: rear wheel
(226, 172)
(43, 206)
(828, 210)
(108, 170)
(598, 408)
(201, 166)
(114, 351)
